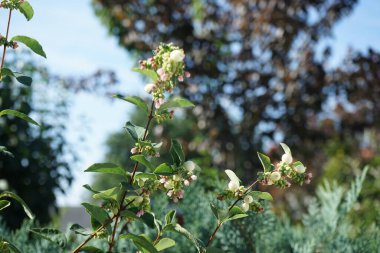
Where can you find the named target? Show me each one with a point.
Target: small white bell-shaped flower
(234, 183)
(275, 176)
(300, 168)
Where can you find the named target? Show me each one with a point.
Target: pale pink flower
(186, 182)
(194, 177)
(180, 78)
(140, 213)
(187, 74)
(134, 150)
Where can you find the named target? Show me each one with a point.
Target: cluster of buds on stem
(167, 64)
(11, 4)
(285, 171)
(174, 184)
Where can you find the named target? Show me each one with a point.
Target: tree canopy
(258, 72)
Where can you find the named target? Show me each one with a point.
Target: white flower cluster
(287, 169)
(174, 184)
(168, 64)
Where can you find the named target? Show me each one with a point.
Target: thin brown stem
(111, 243)
(150, 117)
(6, 39)
(212, 237)
(76, 250)
(213, 234)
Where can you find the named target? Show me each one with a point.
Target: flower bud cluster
(168, 63)
(11, 4)
(284, 172)
(174, 184)
(163, 116)
(142, 202)
(146, 147)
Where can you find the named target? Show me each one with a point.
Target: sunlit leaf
(108, 168)
(175, 102)
(31, 43)
(27, 10)
(18, 115)
(134, 100)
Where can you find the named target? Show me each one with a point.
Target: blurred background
(306, 73)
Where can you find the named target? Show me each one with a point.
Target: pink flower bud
(134, 150)
(186, 182)
(140, 213)
(180, 78)
(158, 103)
(194, 177)
(187, 74)
(150, 87)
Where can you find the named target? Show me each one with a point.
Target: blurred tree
(42, 162)
(258, 74)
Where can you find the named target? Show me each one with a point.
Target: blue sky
(77, 44)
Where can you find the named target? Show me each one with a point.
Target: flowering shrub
(130, 200)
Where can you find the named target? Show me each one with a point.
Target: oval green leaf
(134, 100)
(175, 102)
(18, 115)
(164, 169)
(27, 10)
(152, 75)
(108, 168)
(31, 43)
(164, 243)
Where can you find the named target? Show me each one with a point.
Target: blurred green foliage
(325, 227)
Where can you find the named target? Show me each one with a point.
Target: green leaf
(26, 80)
(109, 168)
(235, 213)
(33, 44)
(182, 231)
(170, 216)
(27, 10)
(112, 194)
(4, 204)
(51, 234)
(175, 102)
(151, 74)
(90, 189)
(140, 103)
(18, 115)
(261, 195)
(150, 220)
(136, 132)
(96, 212)
(90, 249)
(27, 210)
(141, 159)
(214, 210)
(140, 241)
(265, 161)
(142, 175)
(164, 243)
(286, 148)
(78, 229)
(164, 169)
(176, 152)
